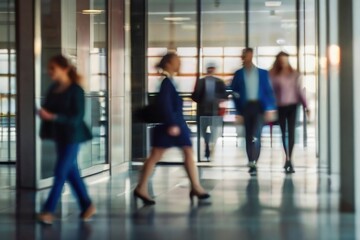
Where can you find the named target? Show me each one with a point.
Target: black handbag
(149, 114)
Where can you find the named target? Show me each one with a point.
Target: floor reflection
(270, 206)
(290, 218)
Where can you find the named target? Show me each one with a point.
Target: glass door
(7, 82)
(78, 30)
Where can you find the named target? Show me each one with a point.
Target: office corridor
(269, 206)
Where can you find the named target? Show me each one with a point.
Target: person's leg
(148, 168)
(257, 131)
(192, 171)
(66, 153)
(282, 122)
(291, 128)
(205, 124)
(79, 187)
(249, 126)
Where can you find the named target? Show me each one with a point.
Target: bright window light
(177, 19)
(273, 3)
(92, 11)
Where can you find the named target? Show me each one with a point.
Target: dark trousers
(253, 120)
(287, 117)
(66, 169)
(205, 122)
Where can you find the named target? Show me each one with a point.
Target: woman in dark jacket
(62, 116)
(173, 132)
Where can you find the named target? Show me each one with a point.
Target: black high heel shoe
(200, 197)
(145, 200)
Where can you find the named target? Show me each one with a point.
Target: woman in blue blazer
(172, 132)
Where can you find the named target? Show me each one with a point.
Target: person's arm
(300, 92)
(164, 101)
(76, 114)
(235, 87)
(221, 91)
(198, 91)
(269, 93)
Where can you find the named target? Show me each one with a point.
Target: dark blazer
(170, 104)
(205, 107)
(69, 107)
(266, 93)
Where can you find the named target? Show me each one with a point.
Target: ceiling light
(92, 11)
(177, 19)
(272, 3)
(281, 41)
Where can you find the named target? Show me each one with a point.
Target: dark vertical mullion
(108, 7)
(298, 33)
(247, 15)
(329, 168)
(9, 81)
(304, 17)
(198, 45)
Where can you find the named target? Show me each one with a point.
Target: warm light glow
(177, 19)
(92, 11)
(273, 3)
(323, 62)
(334, 55)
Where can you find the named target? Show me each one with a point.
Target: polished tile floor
(269, 206)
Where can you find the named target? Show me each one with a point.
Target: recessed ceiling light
(281, 41)
(92, 11)
(177, 19)
(273, 3)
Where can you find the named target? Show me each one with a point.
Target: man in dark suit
(254, 100)
(208, 93)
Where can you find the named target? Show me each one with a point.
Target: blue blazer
(266, 93)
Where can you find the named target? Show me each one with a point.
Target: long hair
(165, 60)
(277, 67)
(64, 63)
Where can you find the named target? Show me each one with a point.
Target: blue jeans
(66, 169)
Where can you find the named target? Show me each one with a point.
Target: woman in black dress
(173, 132)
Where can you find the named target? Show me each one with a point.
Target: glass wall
(219, 30)
(272, 28)
(7, 81)
(77, 29)
(172, 26)
(222, 35)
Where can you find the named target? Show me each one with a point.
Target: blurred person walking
(209, 92)
(287, 86)
(62, 115)
(255, 102)
(172, 132)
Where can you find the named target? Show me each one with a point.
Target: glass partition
(77, 29)
(272, 28)
(222, 36)
(7, 81)
(172, 26)
(226, 27)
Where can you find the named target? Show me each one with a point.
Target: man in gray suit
(208, 93)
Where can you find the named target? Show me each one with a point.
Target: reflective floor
(269, 206)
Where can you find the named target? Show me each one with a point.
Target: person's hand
(270, 116)
(174, 131)
(46, 115)
(239, 119)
